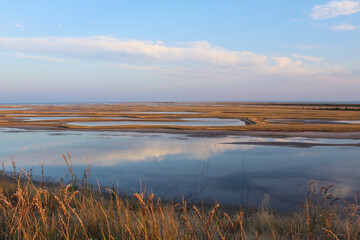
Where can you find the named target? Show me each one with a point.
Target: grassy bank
(77, 210)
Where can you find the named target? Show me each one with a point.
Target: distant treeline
(313, 104)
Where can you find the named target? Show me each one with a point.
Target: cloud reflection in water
(198, 167)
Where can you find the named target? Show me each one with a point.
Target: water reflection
(65, 118)
(48, 118)
(228, 169)
(147, 112)
(311, 121)
(185, 122)
(13, 109)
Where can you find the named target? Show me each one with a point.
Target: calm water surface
(6, 109)
(65, 118)
(186, 122)
(164, 112)
(196, 167)
(48, 118)
(312, 121)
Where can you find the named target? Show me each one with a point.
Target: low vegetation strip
(75, 210)
(255, 115)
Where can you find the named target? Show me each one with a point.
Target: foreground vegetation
(35, 210)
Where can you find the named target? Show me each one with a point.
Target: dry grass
(75, 210)
(257, 112)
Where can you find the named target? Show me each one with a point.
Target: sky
(134, 51)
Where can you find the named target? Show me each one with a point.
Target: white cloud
(335, 8)
(199, 57)
(43, 58)
(343, 27)
(308, 58)
(18, 25)
(311, 46)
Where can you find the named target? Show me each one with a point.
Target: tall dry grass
(74, 210)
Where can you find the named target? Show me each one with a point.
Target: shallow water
(164, 112)
(196, 167)
(48, 118)
(13, 109)
(312, 121)
(64, 118)
(350, 121)
(186, 122)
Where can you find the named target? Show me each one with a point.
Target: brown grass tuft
(31, 210)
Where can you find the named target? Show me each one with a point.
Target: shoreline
(255, 116)
(203, 133)
(83, 204)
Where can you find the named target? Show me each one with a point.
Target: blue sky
(71, 51)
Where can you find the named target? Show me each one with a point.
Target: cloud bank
(195, 57)
(334, 9)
